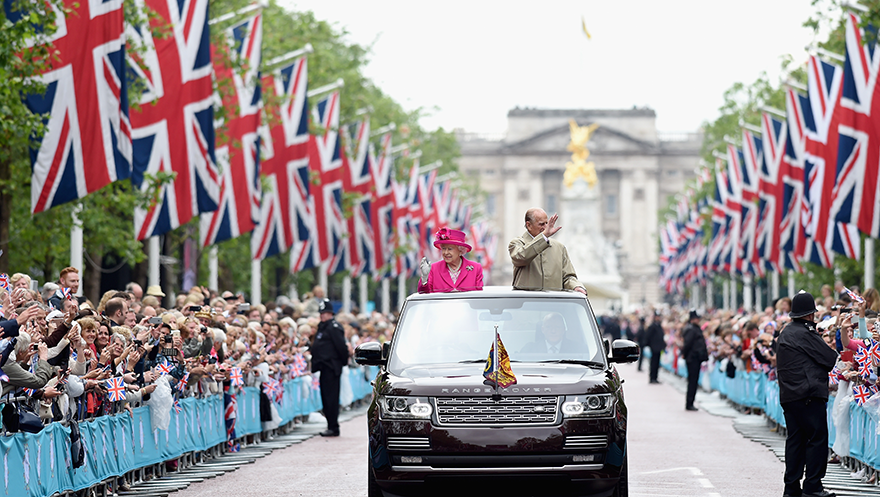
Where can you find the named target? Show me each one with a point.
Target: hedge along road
(672, 452)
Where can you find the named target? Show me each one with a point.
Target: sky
(470, 62)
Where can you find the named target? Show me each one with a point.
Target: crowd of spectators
(69, 359)
(847, 320)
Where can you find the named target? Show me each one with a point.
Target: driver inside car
(551, 339)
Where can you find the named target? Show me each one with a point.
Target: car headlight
(405, 407)
(588, 406)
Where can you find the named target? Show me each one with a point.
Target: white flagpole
(790, 283)
(256, 281)
(322, 277)
(401, 291)
(386, 296)
(240, 12)
(362, 293)
(154, 261)
(869, 262)
(213, 268)
(76, 244)
(710, 294)
(346, 293)
(774, 287)
(725, 292)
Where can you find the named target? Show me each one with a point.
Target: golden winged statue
(578, 167)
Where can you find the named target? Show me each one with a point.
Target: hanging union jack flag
(855, 197)
(771, 191)
(285, 164)
(382, 208)
(791, 175)
(326, 162)
(173, 132)
(87, 143)
(115, 389)
(824, 81)
(359, 182)
(751, 163)
(239, 155)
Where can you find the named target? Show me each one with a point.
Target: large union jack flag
(791, 175)
(752, 160)
(382, 208)
(359, 183)
(239, 154)
(733, 203)
(771, 191)
(823, 91)
(285, 161)
(855, 198)
(87, 143)
(173, 132)
(326, 161)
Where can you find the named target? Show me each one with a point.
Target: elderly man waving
(538, 263)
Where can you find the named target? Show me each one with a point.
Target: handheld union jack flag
(181, 385)
(272, 389)
(3, 376)
(861, 393)
(87, 144)
(834, 376)
(115, 389)
(299, 365)
(164, 368)
(4, 281)
(285, 163)
(326, 161)
(177, 406)
(855, 196)
(174, 128)
(66, 293)
(239, 156)
(236, 377)
(853, 295)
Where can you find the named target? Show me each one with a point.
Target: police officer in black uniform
(803, 361)
(694, 352)
(654, 339)
(329, 355)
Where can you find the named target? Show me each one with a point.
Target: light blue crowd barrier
(39, 465)
(755, 390)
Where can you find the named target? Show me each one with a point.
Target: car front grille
(408, 443)
(485, 411)
(586, 442)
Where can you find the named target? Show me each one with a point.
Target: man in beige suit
(538, 263)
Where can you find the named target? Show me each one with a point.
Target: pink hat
(448, 236)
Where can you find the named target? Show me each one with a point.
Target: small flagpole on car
(496, 396)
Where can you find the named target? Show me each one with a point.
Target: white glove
(424, 269)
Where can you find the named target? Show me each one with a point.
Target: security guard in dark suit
(694, 352)
(329, 355)
(654, 339)
(803, 361)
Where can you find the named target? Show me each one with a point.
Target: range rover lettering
(435, 423)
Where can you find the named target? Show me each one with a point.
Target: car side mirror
(624, 351)
(370, 354)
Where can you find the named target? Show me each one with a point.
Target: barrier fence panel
(39, 464)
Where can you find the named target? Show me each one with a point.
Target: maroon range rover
(436, 426)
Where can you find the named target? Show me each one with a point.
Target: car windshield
(446, 331)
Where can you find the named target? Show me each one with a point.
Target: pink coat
(439, 279)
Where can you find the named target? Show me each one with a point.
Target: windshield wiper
(589, 364)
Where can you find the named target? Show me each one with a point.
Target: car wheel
(622, 489)
(373, 489)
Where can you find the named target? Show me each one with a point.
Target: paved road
(672, 452)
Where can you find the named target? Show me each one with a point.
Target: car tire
(373, 489)
(622, 489)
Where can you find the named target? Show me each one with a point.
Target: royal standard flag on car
(498, 370)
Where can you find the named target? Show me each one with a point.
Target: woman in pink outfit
(453, 273)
